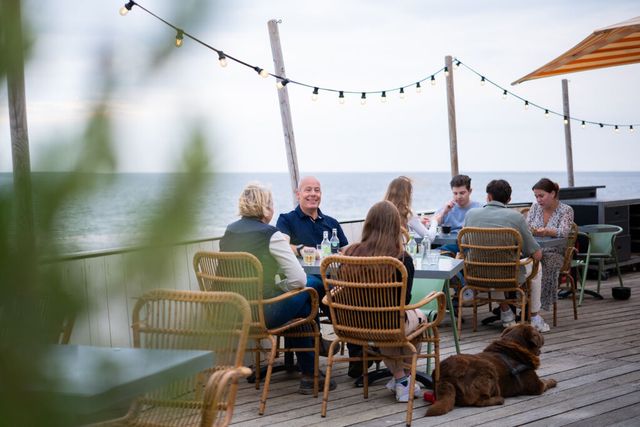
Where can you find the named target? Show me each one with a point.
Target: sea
(118, 206)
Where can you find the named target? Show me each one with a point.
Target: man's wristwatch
(299, 248)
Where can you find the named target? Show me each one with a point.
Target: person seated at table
(454, 211)
(252, 233)
(496, 214)
(304, 227)
(399, 193)
(549, 217)
(382, 236)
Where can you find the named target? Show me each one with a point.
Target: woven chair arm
(301, 320)
(427, 299)
(215, 395)
(534, 269)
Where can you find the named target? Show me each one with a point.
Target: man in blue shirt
(455, 210)
(305, 224)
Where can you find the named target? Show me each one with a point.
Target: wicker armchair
(565, 272)
(366, 299)
(170, 319)
(242, 272)
(492, 264)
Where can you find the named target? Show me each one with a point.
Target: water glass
(432, 257)
(318, 251)
(308, 256)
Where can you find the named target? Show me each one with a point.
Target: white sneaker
(391, 385)
(508, 318)
(402, 392)
(467, 298)
(539, 323)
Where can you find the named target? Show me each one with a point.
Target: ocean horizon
(112, 215)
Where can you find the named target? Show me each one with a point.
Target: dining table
(544, 242)
(85, 380)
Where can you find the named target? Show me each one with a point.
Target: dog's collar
(514, 370)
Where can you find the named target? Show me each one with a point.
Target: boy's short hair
(500, 190)
(461, 181)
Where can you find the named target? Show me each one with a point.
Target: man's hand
(537, 255)
(447, 207)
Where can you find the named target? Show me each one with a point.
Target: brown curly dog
(507, 367)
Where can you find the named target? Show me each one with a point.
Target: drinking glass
(308, 256)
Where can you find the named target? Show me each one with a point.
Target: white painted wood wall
(109, 290)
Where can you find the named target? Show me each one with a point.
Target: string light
(282, 83)
(363, 98)
(566, 120)
(179, 38)
(383, 97)
(263, 73)
(222, 60)
(126, 8)
(546, 113)
(615, 129)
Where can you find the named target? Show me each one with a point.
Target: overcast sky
(346, 45)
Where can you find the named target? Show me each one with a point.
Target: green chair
(601, 247)
(420, 289)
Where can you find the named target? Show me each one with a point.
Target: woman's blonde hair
(254, 201)
(399, 193)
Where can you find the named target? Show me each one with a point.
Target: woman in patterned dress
(549, 217)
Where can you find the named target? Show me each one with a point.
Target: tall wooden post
(451, 109)
(567, 132)
(285, 110)
(13, 47)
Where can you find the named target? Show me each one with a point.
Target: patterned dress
(552, 258)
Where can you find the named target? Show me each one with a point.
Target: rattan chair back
(366, 298)
(491, 256)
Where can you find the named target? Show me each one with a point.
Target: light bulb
(264, 74)
(383, 97)
(482, 81)
(583, 124)
(457, 64)
(546, 113)
(179, 37)
(363, 98)
(504, 94)
(616, 129)
(446, 71)
(418, 88)
(314, 95)
(402, 93)
(566, 120)
(631, 128)
(341, 97)
(282, 83)
(222, 60)
(601, 125)
(433, 81)
(526, 105)
(126, 8)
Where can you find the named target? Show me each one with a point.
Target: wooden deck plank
(595, 359)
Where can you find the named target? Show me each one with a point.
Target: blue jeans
(284, 311)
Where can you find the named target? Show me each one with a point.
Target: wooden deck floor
(595, 359)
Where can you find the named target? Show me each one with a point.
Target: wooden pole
(13, 48)
(567, 132)
(451, 109)
(285, 110)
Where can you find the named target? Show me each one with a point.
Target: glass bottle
(325, 245)
(412, 246)
(335, 242)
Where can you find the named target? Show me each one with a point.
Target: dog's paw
(550, 383)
